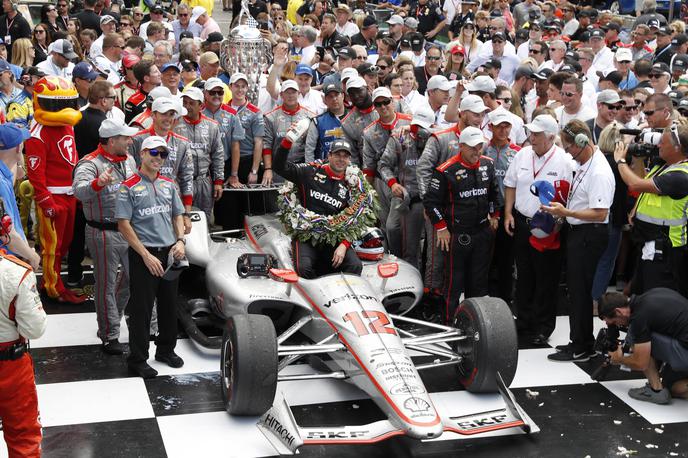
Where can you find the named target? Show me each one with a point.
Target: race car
(351, 328)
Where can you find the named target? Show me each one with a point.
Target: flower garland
(349, 224)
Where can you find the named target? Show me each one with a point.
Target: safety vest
(665, 211)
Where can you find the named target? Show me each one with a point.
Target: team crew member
(322, 190)
(21, 317)
(538, 269)
(149, 216)
(587, 213)
(178, 166)
(463, 203)
(207, 151)
(397, 168)
(129, 84)
(361, 116)
(52, 148)
(661, 213)
(149, 77)
(375, 138)
(327, 127)
(97, 178)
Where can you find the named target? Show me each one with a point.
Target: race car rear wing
(280, 428)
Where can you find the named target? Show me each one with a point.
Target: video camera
(645, 144)
(607, 340)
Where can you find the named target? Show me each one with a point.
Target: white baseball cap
(471, 136)
(159, 91)
(355, 82)
(473, 103)
(608, 96)
(439, 82)
(382, 92)
(395, 19)
(212, 83)
(197, 12)
(543, 123)
(153, 141)
(289, 84)
(499, 116)
(424, 117)
(165, 104)
(482, 83)
(623, 55)
(238, 76)
(107, 18)
(114, 127)
(349, 72)
(193, 93)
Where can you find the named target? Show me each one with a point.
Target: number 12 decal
(377, 325)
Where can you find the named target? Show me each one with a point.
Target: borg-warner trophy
(246, 51)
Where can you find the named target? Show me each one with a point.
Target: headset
(580, 139)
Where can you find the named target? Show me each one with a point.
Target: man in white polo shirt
(587, 214)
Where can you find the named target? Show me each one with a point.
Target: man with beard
(433, 61)
(361, 116)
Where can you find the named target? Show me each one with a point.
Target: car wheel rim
(227, 373)
(467, 348)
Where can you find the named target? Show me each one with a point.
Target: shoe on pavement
(647, 394)
(113, 347)
(571, 356)
(171, 359)
(566, 347)
(70, 297)
(143, 370)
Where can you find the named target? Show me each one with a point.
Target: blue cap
(544, 190)
(168, 66)
(541, 224)
(85, 71)
(4, 66)
(303, 69)
(12, 135)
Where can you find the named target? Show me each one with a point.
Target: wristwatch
(181, 239)
(621, 161)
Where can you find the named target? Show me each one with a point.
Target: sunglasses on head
(382, 103)
(163, 153)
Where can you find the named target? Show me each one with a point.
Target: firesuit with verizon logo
(460, 197)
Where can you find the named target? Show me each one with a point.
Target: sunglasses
(568, 94)
(39, 31)
(113, 97)
(382, 103)
(656, 75)
(649, 113)
(432, 58)
(613, 107)
(534, 51)
(163, 153)
(49, 10)
(494, 41)
(62, 5)
(138, 14)
(183, 14)
(638, 102)
(631, 107)
(505, 99)
(219, 93)
(125, 24)
(383, 67)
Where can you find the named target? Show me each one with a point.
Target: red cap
(130, 60)
(458, 49)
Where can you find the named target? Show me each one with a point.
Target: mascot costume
(50, 158)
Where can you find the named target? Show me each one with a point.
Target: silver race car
(351, 328)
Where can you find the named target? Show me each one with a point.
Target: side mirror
(388, 270)
(284, 275)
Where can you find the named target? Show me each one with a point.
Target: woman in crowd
(312, 20)
(49, 17)
(503, 7)
(42, 37)
(23, 53)
(76, 45)
(506, 98)
(456, 64)
(468, 39)
(74, 26)
(86, 38)
(482, 24)
(409, 86)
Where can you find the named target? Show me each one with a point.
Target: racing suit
(51, 156)
(105, 244)
(353, 125)
(375, 138)
(254, 203)
(325, 193)
(135, 105)
(123, 90)
(323, 130)
(440, 146)
(277, 123)
(179, 164)
(144, 120)
(404, 223)
(21, 317)
(208, 157)
(459, 198)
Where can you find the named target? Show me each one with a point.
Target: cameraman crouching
(658, 331)
(659, 223)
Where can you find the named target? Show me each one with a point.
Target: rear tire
(492, 345)
(248, 365)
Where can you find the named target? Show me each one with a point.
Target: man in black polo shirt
(658, 332)
(433, 60)
(88, 17)
(12, 26)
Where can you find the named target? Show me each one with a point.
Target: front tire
(248, 365)
(492, 344)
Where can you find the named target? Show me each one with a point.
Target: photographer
(660, 214)
(658, 331)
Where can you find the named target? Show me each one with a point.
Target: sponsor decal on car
(336, 434)
(407, 388)
(417, 405)
(280, 430)
(349, 297)
(479, 422)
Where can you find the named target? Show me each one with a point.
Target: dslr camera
(645, 144)
(607, 340)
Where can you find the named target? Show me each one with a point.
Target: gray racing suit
(405, 223)
(375, 138)
(440, 147)
(277, 123)
(230, 127)
(353, 126)
(208, 157)
(179, 164)
(107, 246)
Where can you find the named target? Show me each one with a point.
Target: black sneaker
(143, 370)
(571, 356)
(172, 360)
(113, 347)
(566, 347)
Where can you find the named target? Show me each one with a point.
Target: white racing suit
(208, 157)
(107, 246)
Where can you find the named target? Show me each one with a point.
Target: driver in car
(321, 189)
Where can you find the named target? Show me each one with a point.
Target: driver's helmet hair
(371, 246)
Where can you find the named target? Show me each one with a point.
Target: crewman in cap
(149, 215)
(97, 178)
(327, 127)
(361, 115)
(463, 203)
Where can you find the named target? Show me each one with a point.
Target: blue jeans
(605, 268)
